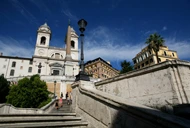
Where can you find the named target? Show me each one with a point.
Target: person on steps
(56, 105)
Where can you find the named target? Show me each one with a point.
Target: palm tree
(154, 42)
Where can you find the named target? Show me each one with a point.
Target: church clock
(41, 52)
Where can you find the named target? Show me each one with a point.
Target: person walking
(56, 105)
(60, 102)
(61, 95)
(69, 98)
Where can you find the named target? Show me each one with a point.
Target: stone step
(76, 124)
(36, 119)
(39, 115)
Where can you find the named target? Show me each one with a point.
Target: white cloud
(164, 28)
(25, 12)
(12, 47)
(69, 14)
(104, 43)
(101, 42)
(41, 5)
(182, 47)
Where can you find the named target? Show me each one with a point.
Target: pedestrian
(69, 98)
(61, 95)
(60, 102)
(56, 105)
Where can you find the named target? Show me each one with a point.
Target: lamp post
(54, 87)
(82, 76)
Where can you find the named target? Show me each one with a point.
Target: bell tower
(43, 40)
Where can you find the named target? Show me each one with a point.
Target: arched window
(72, 44)
(43, 40)
(30, 69)
(12, 72)
(13, 64)
(57, 55)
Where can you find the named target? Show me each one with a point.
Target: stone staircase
(62, 118)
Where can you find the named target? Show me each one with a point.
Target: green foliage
(126, 67)
(44, 102)
(4, 89)
(154, 42)
(28, 93)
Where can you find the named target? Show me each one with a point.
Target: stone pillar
(68, 41)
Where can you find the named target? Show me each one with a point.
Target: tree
(4, 89)
(28, 93)
(154, 42)
(126, 67)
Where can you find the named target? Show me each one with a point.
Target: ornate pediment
(56, 65)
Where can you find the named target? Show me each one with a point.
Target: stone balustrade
(156, 86)
(9, 109)
(104, 110)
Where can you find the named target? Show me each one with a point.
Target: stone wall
(9, 109)
(103, 110)
(155, 86)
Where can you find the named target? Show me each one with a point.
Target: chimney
(1, 54)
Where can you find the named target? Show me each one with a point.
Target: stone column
(68, 48)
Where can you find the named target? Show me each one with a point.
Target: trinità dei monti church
(57, 66)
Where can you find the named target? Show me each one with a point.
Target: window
(43, 40)
(142, 65)
(57, 55)
(55, 72)
(22, 61)
(30, 69)
(137, 60)
(21, 67)
(173, 54)
(151, 60)
(72, 44)
(12, 72)
(30, 62)
(165, 53)
(4, 66)
(159, 59)
(140, 59)
(5, 59)
(13, 64)
(150, 52)
(146, 54)
(146, 62)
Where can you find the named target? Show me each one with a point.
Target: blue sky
(116, 30)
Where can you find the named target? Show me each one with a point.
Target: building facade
(147, 57)
(99, 68)
(51, 63)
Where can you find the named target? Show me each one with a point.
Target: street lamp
(54, 87)
(82, 76)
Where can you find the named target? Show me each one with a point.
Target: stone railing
(103, 110)
(157, 86)
(9, 109)
(46, 78)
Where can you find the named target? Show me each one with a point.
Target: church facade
(51, 63)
